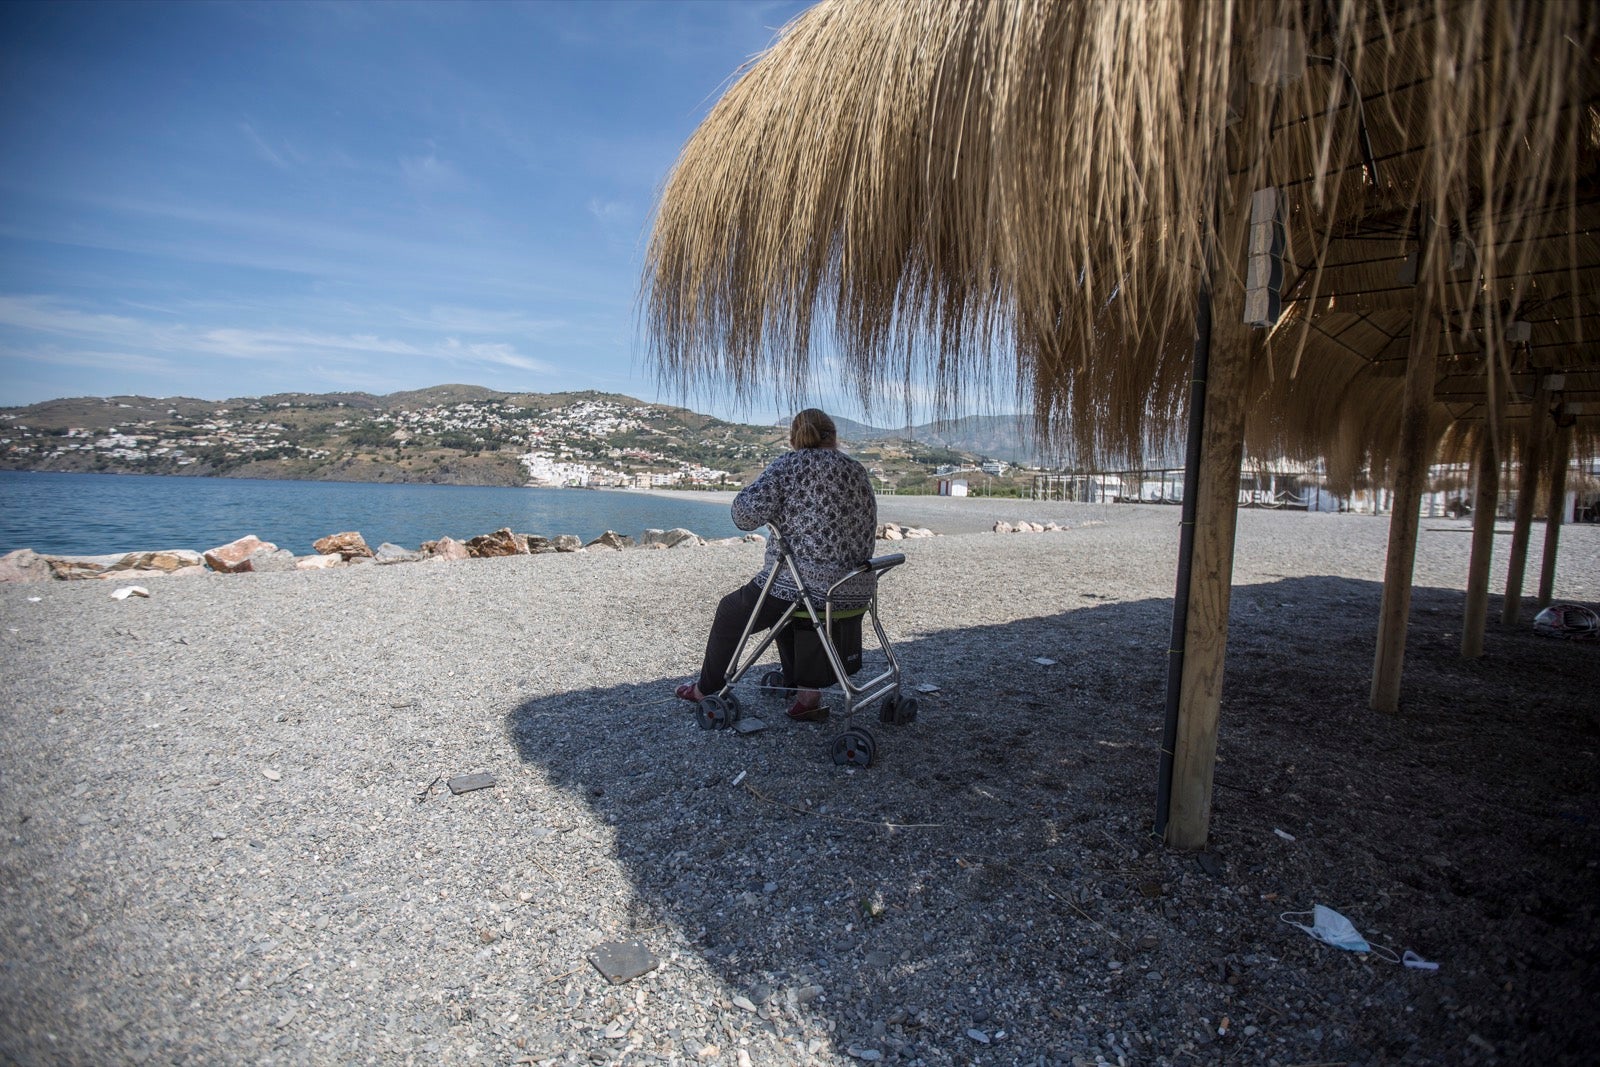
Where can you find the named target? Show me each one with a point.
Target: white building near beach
(544, 469)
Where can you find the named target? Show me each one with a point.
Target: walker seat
(823, 645)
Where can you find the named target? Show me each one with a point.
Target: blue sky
(220, 199)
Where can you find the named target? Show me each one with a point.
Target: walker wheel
(735, 709)
(712, 713)
(772, 682)
(854, 748)
(898, 710)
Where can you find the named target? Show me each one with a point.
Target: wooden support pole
(1555, 512)
(1484, 504)
(1527, 489)
(1233, 347)
(1411, 478)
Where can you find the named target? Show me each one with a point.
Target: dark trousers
(732, 613)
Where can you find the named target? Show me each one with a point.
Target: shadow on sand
(993, 873)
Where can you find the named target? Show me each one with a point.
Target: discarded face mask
(1331, 928)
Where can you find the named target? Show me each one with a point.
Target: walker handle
(877, 565)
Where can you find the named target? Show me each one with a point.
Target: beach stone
(623, 961)
(916, 531)
(234, 557)
(538, 544)
(76, 568)
(890, 532)
(611, 539)
(349, 544)
(392, 553)
(185, 572)
(467, 783)
(446, 548)
(317, 563)
(165, 560)
(25, 565)
(1001, 526)
(500, 543)
(567, 543)
(674, 538)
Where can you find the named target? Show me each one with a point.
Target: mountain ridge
(453, 433)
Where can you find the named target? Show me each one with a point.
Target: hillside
(453, 434)
(1002, 437)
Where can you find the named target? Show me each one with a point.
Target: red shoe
(686, 692)
(801, 713)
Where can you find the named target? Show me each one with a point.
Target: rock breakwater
(349, 548)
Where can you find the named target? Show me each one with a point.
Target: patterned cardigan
(821, 501)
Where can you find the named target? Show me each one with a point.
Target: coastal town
(463, 435)
(589, 440)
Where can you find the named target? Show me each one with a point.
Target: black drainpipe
(1180, 598)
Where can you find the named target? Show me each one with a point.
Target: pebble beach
(228, 833)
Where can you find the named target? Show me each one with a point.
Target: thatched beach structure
(1350, 230)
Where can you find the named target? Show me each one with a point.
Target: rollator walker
(826, 650)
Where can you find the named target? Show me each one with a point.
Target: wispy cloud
(45, 315)
(611, 211)
(343, 252)
(90, 359)
(458, 319)
(430, 174)
(262, 148)
(503, 355)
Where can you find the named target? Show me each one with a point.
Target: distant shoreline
(951, 515)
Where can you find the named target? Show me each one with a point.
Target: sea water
(98, 514)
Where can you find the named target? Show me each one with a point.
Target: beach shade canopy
(1337, 230)
(945, 194)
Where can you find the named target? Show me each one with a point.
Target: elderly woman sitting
(822, 502)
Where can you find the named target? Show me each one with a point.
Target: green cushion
(838, 616)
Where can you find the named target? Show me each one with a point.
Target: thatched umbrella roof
(940, 191)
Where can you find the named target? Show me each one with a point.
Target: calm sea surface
(97, 514)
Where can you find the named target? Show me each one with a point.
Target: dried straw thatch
(944, 190)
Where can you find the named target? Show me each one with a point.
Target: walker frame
(856, 746)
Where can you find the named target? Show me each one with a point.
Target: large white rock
(674, 538)
(24, 565)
